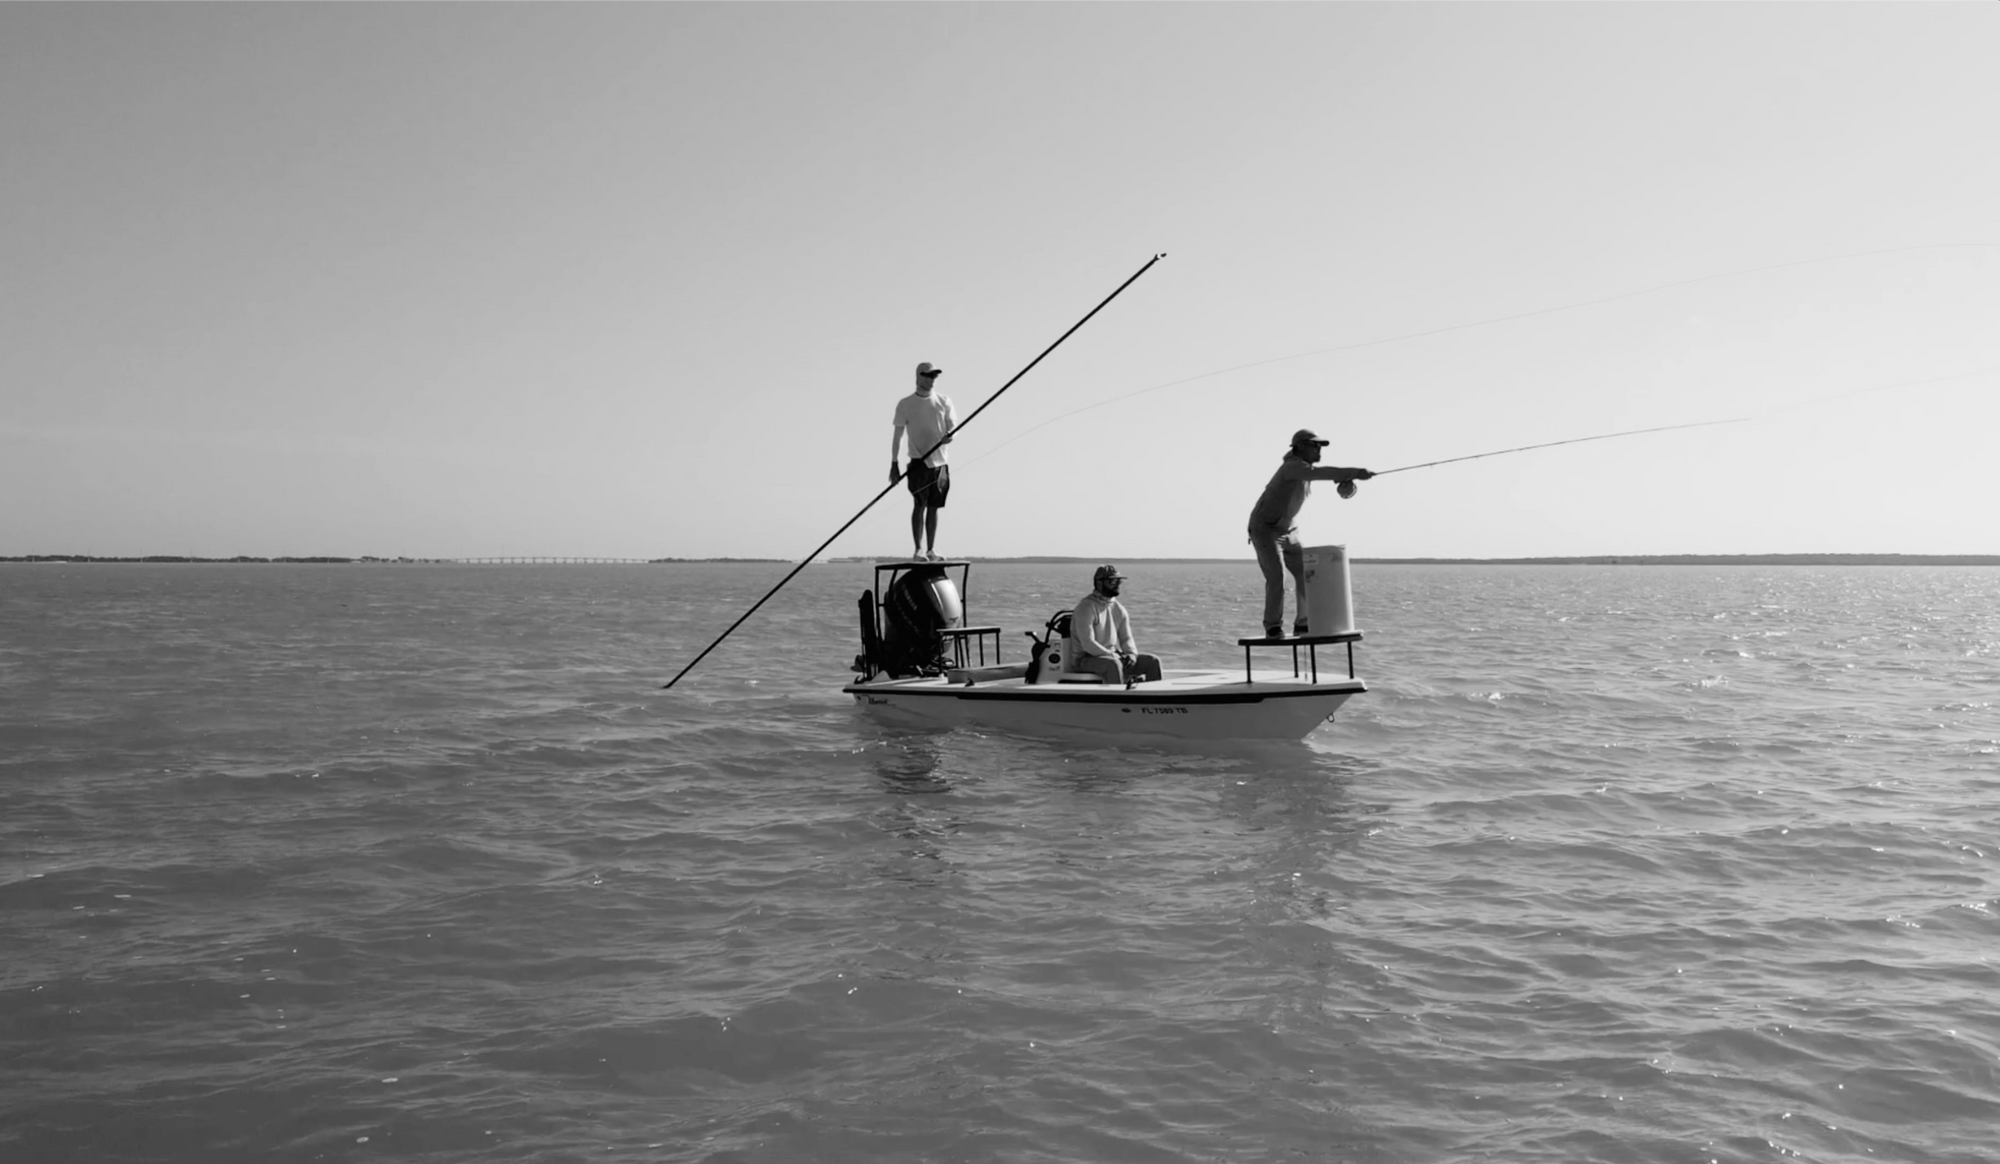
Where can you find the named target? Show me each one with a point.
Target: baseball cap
(1306, 436)
(925, 369)
(1105, 573)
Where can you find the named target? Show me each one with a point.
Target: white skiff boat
(940, 674)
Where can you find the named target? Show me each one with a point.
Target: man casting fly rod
(1275, 534)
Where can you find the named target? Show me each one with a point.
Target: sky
(647, 280)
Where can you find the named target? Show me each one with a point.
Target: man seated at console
(1100, 635)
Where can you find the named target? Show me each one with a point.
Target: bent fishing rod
(807, 560)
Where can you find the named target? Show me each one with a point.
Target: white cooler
(1329, 597)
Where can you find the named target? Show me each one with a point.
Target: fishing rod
(1703, 423)
(927, 452)
(1572, 441)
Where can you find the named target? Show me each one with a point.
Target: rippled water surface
(419, 862)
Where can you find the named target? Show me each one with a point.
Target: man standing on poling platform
(1276, 537)
(927, 416)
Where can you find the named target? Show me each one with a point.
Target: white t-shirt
(926, 420)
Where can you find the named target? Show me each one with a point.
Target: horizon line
(1776, 558)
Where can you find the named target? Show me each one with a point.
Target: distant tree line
(331, 559)
(191, 558)
(1596, 560)
(1712, 560)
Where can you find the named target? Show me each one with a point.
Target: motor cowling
(920, 605)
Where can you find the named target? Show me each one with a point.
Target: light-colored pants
(1109, 669)
(1279, 552)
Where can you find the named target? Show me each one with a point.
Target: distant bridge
(542, 560)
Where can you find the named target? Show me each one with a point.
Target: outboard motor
(920, 605)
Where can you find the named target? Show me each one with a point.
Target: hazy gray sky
(644, 280)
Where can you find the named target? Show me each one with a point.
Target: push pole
(927, 452)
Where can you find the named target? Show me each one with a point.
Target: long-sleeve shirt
(1278, 506)
(1099, 626)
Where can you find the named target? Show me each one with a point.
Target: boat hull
(1198, 705)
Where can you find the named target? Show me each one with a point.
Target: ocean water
(354, 863)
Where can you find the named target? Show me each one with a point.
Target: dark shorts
(929, 486)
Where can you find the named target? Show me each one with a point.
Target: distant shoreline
(1583, 560)
(1586, 560)
(1711, 560)
(369, 560)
